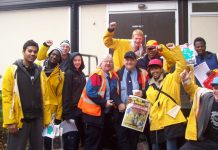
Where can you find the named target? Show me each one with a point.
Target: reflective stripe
(102, 89)
(143, 77)
(86, 104)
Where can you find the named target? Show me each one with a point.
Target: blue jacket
(210, 58)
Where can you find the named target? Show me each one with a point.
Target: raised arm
(188, 83)
(42, 53)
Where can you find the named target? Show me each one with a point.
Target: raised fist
(112, 25)
(49, 42)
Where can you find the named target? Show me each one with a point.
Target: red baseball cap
(156, 62)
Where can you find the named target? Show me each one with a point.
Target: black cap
(130, 54)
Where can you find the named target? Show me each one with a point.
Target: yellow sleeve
(167, 54)
(169, 63)
(109, 41)
(190, 88)
(7, 95)
(59, 98)
(42, 53)
(180, 62)
(113, 43)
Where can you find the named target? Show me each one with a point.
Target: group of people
(53, 89)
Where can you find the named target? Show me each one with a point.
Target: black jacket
(74, 83)
(29, 90)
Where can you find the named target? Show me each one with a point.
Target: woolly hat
(58, 49)
(65, 42)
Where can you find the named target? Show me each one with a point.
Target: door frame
(155, 6)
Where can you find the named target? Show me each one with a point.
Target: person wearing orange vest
(131, 78)
(98, 96)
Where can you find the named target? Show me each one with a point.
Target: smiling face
(151, 51)
(77, 61)
(65, 49)
(137, 39)
(156, 71)
(130, 63)
(107, 65)
(200, 47)
(30, 54)
(55, 57)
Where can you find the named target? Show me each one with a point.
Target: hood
(19, 63)
(72, 56)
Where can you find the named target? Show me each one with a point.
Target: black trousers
(47, 143)
(93, 137)
(200, 145)
(71, 140)
(127, 139)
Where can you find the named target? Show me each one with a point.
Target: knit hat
(65, 42)
(152, 43)
(58, 49)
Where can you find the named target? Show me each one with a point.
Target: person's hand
(185, 77)
(170, 45)
(121, 107)
(112, 25)
(138, 93)
(12, 128)
(109, 103)
(129, 100)
(49, 43)
(159, 48)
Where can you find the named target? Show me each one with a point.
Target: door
(159, 26)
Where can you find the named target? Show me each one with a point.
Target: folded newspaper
(136, 114)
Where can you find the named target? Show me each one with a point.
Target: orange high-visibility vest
(143, 75)
(86, 104)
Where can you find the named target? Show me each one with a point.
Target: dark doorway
(156, 25)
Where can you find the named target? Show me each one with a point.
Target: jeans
(171, 145)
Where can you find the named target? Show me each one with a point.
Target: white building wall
(92, 24)
(17, 27)
(206, 27)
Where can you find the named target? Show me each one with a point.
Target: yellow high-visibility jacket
(171, 86)
(195, 93)
(11, 104)
(52, 87)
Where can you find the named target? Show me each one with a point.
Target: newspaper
(188, 52)
(68, 126)
(136, 114)
(200, 72)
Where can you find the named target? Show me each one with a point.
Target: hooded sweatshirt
(73, 86)
(30, 92)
